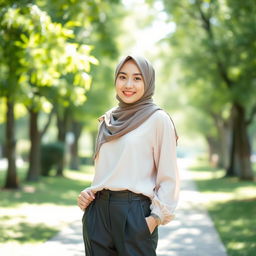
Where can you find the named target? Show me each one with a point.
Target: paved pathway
(191, 234)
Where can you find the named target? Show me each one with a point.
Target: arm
(167, 179)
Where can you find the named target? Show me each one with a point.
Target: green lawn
(232, 206)
(39, 210)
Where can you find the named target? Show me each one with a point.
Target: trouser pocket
(145, 210)
(137, 233)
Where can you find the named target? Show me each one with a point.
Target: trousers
(114, 225)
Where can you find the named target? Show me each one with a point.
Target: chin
(129, 101)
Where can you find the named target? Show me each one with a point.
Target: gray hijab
(127, 117)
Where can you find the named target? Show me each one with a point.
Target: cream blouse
(142, 161)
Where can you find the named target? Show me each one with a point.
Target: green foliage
(214, 36)
(46, 41)
(51, 155)
(46, 53)
(47, 61)
(214, 46)
(93, 21)
(97, 24)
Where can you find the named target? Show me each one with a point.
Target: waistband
(123, 195)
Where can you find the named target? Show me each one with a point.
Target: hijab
(128, 116)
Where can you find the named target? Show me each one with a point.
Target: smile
(128, 94)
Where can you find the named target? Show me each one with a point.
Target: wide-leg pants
(114, 225)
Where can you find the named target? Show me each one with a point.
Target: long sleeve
(166, 192)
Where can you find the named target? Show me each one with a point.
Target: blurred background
(57, 62)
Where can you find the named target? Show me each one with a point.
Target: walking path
(192, 233)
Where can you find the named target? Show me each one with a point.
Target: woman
(136, 185)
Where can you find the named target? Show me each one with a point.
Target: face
(129, 83)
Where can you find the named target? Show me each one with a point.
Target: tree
(98, 26)
(10, 69)
(223, 33)
(43, 56)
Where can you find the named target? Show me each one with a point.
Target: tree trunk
(62, 123)
(3, 151)
(11, 178)
(224, 140)
(225, 146)
(213, 151)
(34, 154)
(240, 163)
(74, 161)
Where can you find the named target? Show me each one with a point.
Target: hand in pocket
(151, 222)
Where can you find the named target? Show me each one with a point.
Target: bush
(86, 160)
(51, 155)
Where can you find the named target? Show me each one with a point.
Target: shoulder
(161, 114)
(162, 118)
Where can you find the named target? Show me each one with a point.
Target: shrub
(51, 155)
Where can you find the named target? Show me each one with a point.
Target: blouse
(142, 161)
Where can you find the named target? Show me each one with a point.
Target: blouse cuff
(162, 211)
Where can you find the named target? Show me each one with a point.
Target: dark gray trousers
(114, 225)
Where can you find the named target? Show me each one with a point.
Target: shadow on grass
(234, 218)
(203, 168)
(24, 232)
(236, 224)
(222, 184)
(56, 190)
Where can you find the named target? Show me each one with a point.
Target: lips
(128, 93)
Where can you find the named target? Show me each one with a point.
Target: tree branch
(190, 13)
(206, 24)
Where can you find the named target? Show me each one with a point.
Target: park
(57, 63)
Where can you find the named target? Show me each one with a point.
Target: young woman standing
(136, 184)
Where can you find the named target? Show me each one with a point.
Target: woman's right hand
(85, 198)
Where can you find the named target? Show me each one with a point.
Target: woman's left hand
(151, 222)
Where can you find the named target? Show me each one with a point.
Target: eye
(137, 78)
(122, 77)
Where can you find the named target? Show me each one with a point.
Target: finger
(91, 194)
(82, 205)
(81, 198)
(84, 198)
(85, 194)
(83, 202)
(88, 195)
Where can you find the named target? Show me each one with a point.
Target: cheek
(117, 87)
(141, 89)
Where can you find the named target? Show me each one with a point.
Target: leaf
(72, 23)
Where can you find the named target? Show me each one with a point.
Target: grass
(23, 231)
(232, 206)
(39, 210)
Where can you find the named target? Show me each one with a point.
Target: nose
(128, 84)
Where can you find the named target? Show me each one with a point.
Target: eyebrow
(135, 74)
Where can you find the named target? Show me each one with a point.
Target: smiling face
(129, 83)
